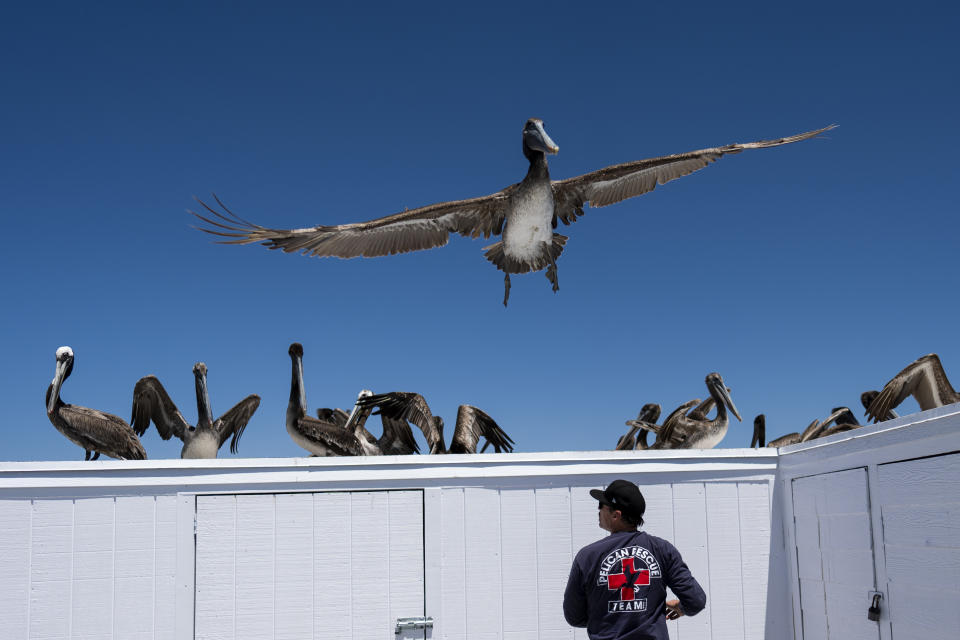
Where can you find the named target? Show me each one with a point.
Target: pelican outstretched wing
(235, 420)
(412, 230)
(924, 379)
(408, 406)
(621, 181)
(473, 424)
(151, 402)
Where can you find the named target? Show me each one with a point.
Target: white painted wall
(876, 509)
(499, 533)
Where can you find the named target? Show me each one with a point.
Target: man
(618, 585)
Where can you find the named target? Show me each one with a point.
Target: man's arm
(574, 600)
(684, 585)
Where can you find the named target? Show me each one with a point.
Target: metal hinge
(194, 525)
(416, 622)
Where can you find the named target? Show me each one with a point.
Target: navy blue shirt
(617, 587)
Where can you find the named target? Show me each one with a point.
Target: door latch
(416, 622)
(873, 613)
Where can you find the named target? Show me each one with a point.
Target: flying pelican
(472, 423)
(96, 431)
(924, 379)
(693, 431)
(524, 213)
(649, 413)
(152, 403)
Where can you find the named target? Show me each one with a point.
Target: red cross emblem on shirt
(623, 581)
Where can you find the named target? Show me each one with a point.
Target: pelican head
(199, 369)
(715, 384)
(535, 137)
(866, 398)
(649, 413)
(296, 349)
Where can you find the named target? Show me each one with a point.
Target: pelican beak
(57, 382)
(541, 141)
(729, 402)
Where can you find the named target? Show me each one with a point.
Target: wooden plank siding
(109, 549)
(88, 567)
(506, 554)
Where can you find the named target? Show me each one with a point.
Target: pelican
(472, 423)
(525, 213)
(152, 403)
(924, 379)
(693, 431)
(318, 436)
(759, 432)
(397, 437)
(649, 413)
(95, 431)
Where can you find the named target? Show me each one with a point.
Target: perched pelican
(96, 431)
(649, 413)
(472, 423)
(397, 437)
(759, 432)
(318, 436)
(524, 213)
(684, 431)
(866, 398)
(924, 379)
(151, 402)
(693, 431)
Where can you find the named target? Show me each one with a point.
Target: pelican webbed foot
(552, 276)
(506, 289)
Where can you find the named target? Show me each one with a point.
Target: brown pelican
(924, 379)
(152, 403)
(656, 429)
(318, 436)
(649, 413)
(96, 431)
(693, 431)
(759, 432)
(472, 423)
(525, 213)
(397, 437)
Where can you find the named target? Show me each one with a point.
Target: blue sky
(803, 274)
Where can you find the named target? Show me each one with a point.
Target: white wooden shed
(787, 544)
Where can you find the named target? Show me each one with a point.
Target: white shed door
(920, 508)
(834, 555)
(308, 565)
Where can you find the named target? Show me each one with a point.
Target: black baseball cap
(623, 496)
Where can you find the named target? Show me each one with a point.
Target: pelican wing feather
(152, 402)
(473, 424)
(235, 420)
(103, 432)
(409, 406)
(622, 181)
(924, 379)
(412, 230)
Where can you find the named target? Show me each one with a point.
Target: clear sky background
(803, 274)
